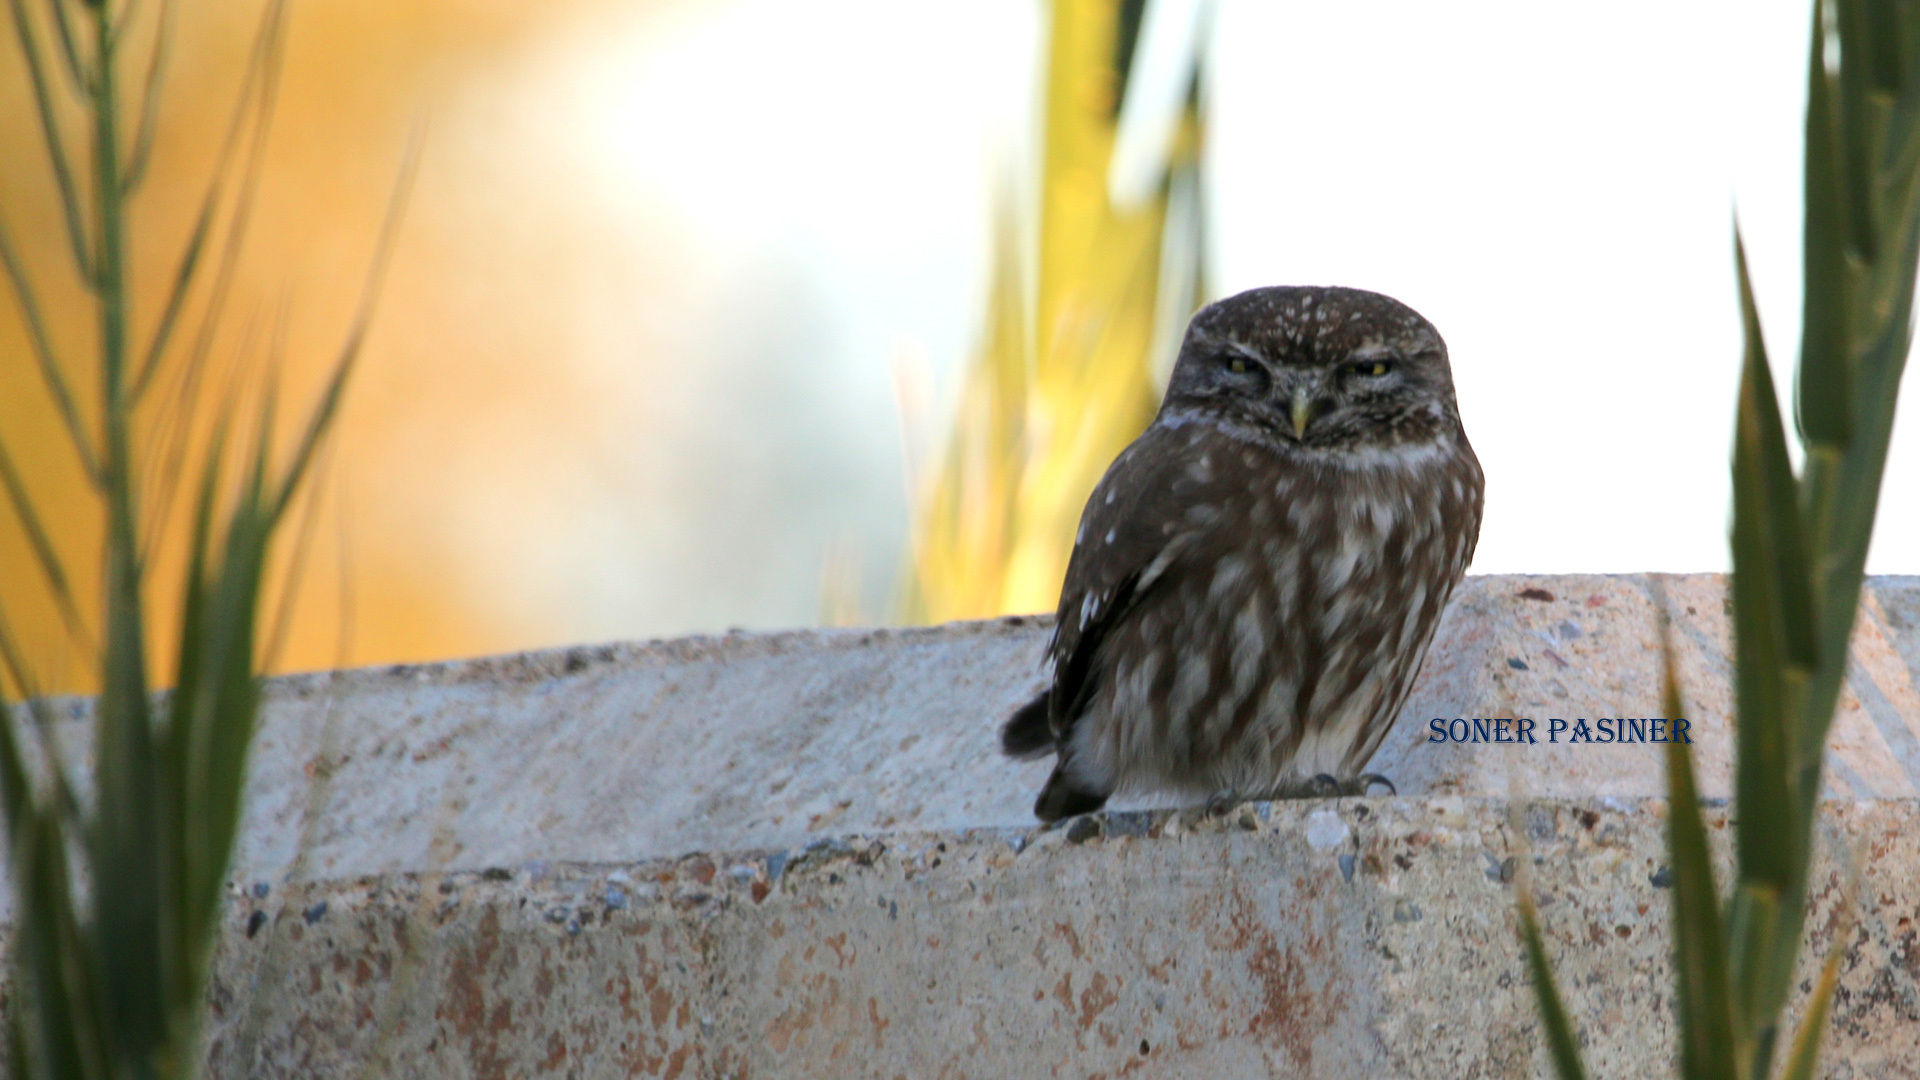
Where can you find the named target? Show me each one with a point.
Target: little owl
(1257, 577)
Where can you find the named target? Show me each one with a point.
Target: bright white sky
(1552, 184)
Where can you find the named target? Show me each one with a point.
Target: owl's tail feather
(1063, 797)
(1028, 734)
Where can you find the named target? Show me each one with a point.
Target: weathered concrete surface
(618, 752)
(428, 880)
(1358, 938)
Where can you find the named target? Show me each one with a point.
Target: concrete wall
(1350, 938)
(799, 854)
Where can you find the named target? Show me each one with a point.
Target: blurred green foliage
(118, 881)
(1799, 556)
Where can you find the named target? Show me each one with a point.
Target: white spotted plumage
(1264, 587)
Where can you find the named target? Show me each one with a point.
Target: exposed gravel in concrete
(1350, 938)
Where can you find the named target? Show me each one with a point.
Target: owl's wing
(1136, 525)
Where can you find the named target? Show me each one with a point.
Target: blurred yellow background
(463, 361)
(585, 411)
(716, 313)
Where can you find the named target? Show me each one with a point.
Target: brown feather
(1246, 606)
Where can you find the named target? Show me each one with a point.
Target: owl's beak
(1302, 411)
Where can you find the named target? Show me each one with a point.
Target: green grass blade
(220, 726)
(281, 622)
(16, 791)
(1707, 1045)
(67, 1036)
(51, 567)
(1773, 626)
(1773, 618)
(1774, 622)
(54, 1007)
(1858, 126)
(1847, 485)
(12, 768)
(170, 439)
(1561, 1045)
(1710, 1043)
(318, 422)
(1879, 39)
(124, 840)
(123, 843)
(1805, 1055)
(1805, 1052)
(69, 48)
(19, 798)
(1860, 245)
(1824, 390)
(1902, 146)
(1859, 330)
(255, 93)
(66, 802)
(1892, 36)
(47, 359)
(142, 150)
(176, 297)
(1753, 935)
(19, 1031)
(112, 984)
(178, 784)
(1764, 470)
(212, 722)
(50, 135)
(259, 90)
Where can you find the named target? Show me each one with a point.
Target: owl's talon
(1221, 802)
(1325, 786)
(1367, 780)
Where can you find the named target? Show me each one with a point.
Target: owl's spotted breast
(1273, 616)
(1242, 611)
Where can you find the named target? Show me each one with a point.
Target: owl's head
(1319, 368)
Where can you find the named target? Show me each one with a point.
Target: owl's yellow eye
(1370, 367)
(1239, 367)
